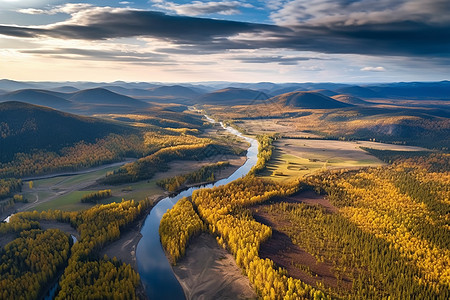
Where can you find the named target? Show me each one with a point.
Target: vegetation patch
(202, 175)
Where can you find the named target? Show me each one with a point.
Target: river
(154, 267)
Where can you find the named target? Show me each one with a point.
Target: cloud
(281, 60)
(373, 69)
(68, 8)
(196, 8)
(96, 23)
(101, 55)
(193, 35)
(360, 12)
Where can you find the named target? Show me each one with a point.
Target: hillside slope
(38, 97)
(26, 128)
(308, 100)
(105, 97)
(232, 96)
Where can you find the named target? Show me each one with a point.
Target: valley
(349, 189)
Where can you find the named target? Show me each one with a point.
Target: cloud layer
(329, 37)
(376, 34)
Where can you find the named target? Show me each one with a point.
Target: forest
(389, 235)
(146, 167)
(95, 196)
(30, 262)
(202, 175)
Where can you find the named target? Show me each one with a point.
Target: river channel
(154, 268)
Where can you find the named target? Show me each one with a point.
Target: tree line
(87, 275)
(204, 174)
(95, 196)
(146, 167)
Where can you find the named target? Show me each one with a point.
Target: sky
(354, 41)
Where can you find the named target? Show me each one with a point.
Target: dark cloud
(103, 24)
(203, 36)
(89, 54)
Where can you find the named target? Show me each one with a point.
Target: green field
(65, 192)
(67, 202)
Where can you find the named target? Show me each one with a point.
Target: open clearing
(65, 192)
(298, 262)
(293, 158)
(209, 272)
(272, 126)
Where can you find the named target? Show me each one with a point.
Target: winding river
(154, 268)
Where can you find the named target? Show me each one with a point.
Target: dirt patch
(311, 198)
(6, 238)
(209, 272)
(64, 227)
(298, 263)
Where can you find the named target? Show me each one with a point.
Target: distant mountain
(11, 85)
(326, 92)
(308, 100)
(415, 90)
(65, 89)
(358, 91)
(25, 127)
(350, 99)
(174, 91)
(37, 97)
(102, 96)
(232, 96)
(131, 92)
(286, 89)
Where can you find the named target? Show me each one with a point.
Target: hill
(174, 91)
(358, 91)
(65, 89)
(325, 92)
(308, 100)
(28, 128)
(349, 99)
(105, 97)
(232, 96)
(11, 85)
(415, 90)
(131, 92)
(38, 97)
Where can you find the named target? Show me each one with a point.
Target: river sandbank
(207, 271)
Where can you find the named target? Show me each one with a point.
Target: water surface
(154, 268)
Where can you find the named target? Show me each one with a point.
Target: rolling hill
(174, 91)
(28, 128)
(350, 99)
(358, 91)
(38, 97)
(131, 92)
(11, 85)
(101, 96)
(232, 96)
(415, 90)
(308, 100)
(65, 89)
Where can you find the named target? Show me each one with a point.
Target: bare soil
(311, 198)
(6, 238)
(299, 263)
(64, 227)
(209, 272)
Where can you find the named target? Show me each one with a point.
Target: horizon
(282, 41)
(224, 81)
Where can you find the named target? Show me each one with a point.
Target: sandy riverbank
(209, 272)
